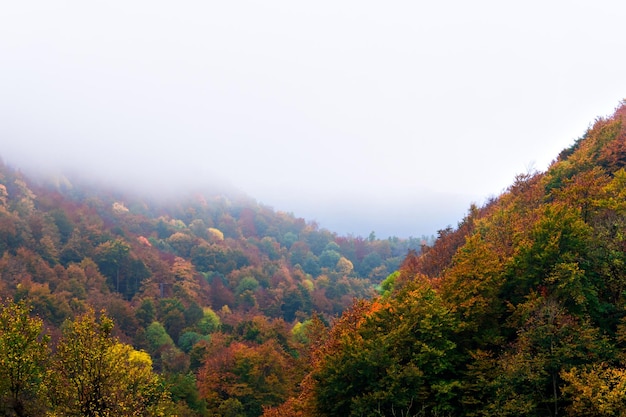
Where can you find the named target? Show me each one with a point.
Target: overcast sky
(385, 116)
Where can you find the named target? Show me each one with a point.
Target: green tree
(289, 239)
(329, 258)
(247, 283)
(369, 262)
(187, 340)
(527, 377)
(183, 388)
(395, 356)
(555, 255)
(146, 312)
(388, 284)
(111, 256)
(23, 356)
(311, 264)
(210, 321)
(157, 336)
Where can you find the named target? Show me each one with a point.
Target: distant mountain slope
(517, 312)
(173, 275)
(136, 243)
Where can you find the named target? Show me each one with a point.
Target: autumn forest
(213, 305)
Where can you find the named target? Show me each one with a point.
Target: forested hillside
(519, 311)
(216, 306)
(216, 292)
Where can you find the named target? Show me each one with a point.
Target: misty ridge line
(384, 217)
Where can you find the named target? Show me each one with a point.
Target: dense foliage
(213, 293)
(223, 308)
(90, 373)
(517, 312)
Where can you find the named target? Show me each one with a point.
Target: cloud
(323, 107)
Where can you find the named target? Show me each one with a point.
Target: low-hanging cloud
(363, 116)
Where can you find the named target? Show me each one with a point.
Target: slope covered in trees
(220, 307)
(216, 292)
(517, 312)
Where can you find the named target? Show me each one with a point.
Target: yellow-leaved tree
(93, 374)
(23, 356)
(597, 390)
